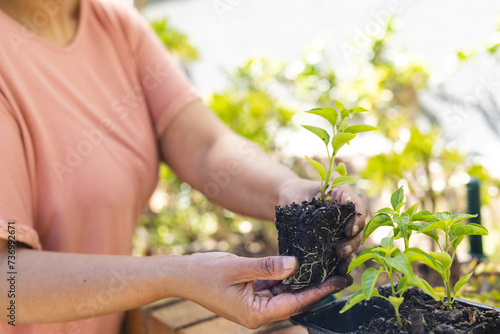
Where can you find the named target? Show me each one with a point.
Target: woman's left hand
(298, 190)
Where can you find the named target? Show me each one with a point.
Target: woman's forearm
(241, 177)
(59, 287)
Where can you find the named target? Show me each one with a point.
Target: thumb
(266, 268)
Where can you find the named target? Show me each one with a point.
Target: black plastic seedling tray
(326, 318)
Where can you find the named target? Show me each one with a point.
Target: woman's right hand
(239, 289)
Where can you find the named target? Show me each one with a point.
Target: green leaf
(387, 243)
(359, 128)
(339, 105)
(430, 233)
(328, 113)
(397, 197)
(400, 205)
(355, 298)
(322, 134)
(368, 281)
(360, 259)
(461, 282)
(412, 209)
(441, 225)
(403, 285)
(345, 113)
(443, 215)
(340, 139)
(387, 211)
(319, 167)
(443, 257)
(425, 216)
(424, 285)
(400, 263)
(358, 109)
(341, 169)
(458, 217)
(402, 224)
(341, 180)
(378, 220)
(458, 231)
(415, 254)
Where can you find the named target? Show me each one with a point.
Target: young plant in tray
(311, 230)
(393, 261)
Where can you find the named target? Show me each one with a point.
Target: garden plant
(396, 263)
(311, 230)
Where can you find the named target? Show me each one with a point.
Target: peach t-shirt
(79, 131)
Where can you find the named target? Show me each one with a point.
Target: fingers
(267, 268)
(343, 266)
(262, 285)
(289, 304)
(349, 246)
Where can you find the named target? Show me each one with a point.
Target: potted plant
(311, 230)
(409, 305)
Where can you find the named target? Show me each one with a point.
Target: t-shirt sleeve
(15, 191)
(165, 85)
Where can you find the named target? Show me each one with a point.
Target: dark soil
(421, 314)
(311, 231)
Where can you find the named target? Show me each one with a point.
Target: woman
(90, 101)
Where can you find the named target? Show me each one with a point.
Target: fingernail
(347, 250)
(289, 262)
(354, 230)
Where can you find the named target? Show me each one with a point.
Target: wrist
(168, 274)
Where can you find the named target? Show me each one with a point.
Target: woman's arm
(59, 287)
(229, 169)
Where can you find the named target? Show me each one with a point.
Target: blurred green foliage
(259, 103)
(175, 41)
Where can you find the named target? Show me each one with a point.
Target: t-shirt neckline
(42, 41)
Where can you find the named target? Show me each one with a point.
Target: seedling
(341, 134)
(393, 261)
(311, 230)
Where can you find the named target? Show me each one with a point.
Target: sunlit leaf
(415, 254)
(443, 257)
(339, 105)
(355, 298)
(412, 210)
(388, 211)
(319, 167)
(425, 216)
(386, 243)
(359, 128)
(458, 217)
(420, 226)
(341, 169)
(368, 281)
(340, 139)
(358, 109)
(328, 113)
(397, 197)
(322, 134)
(378, 220)
(434, 226)
(461, 282)
(341, 180)
(362, 258)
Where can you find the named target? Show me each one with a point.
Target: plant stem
(328, 175)
(448, 288)
(392, 282)
(398, 318)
